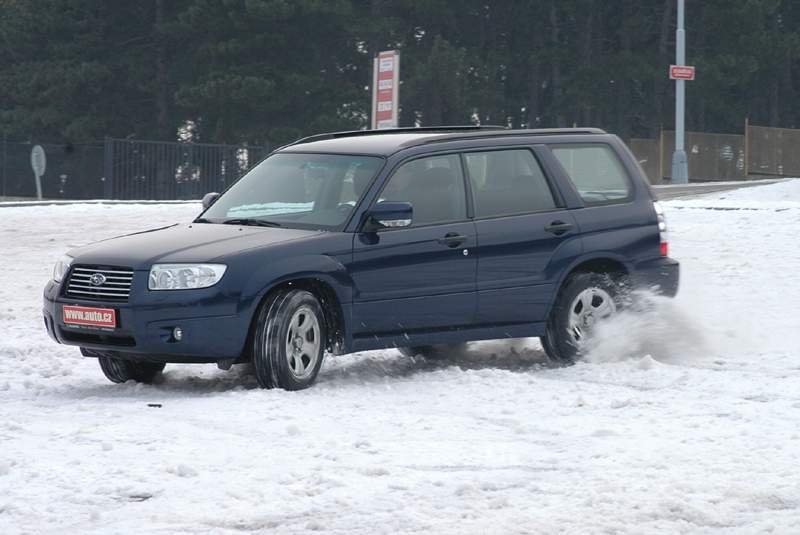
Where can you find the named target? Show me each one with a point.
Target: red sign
(90, 317)
(681, 72)
(385, 78)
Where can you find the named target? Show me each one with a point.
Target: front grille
(114, 283)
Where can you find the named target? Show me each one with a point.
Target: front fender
(322, 267)
(318, 267)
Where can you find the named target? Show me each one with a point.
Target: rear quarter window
(596, 172)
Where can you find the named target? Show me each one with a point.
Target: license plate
(105, 318)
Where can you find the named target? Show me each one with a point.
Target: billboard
(385, 81)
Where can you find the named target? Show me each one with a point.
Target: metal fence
(648, 153)
(73, 171)
(711, 156)
(773, 151)
(125, 169)
(156, 170)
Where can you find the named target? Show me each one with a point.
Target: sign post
(38, 164)
(385, 81)
(680, 73)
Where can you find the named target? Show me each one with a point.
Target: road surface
(679, 191)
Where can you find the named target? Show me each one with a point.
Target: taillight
(662, 228)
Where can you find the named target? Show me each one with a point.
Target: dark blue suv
(415, 239)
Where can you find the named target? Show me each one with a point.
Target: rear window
(595, 171)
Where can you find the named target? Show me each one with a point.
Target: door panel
(520, 229)
(415, 278)
(514, 254)
(422, 276)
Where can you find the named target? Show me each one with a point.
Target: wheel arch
(612, 264)
(324, 289)
(604, 263)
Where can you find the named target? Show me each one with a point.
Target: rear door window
(506, 182)
(596, 172)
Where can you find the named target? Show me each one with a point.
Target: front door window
(435, 188)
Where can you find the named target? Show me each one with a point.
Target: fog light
(177, 334)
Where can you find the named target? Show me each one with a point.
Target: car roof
(387, 142)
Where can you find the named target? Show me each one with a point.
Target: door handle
(451, 239)
(559, 227)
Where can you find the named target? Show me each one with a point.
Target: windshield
(298, 190)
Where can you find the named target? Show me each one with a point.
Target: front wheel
(585, 300)
(119, 370)
(289, 340)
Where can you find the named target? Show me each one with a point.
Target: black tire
(558, 342)
(433, 352)
(273, 364)
(119, 370)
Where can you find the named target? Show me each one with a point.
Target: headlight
(184, 276)
(61, 268)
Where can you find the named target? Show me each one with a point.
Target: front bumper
(661, 275)
(215, 326)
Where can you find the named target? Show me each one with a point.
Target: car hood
(196, 242)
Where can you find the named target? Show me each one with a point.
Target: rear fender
(582, 259)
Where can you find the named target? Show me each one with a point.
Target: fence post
(108, 167)
(661, 153)
(746, 146)
(5, 161)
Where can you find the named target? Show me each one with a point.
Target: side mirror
(209, 199)
(390, 215)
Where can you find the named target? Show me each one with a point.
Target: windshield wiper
(251, 221)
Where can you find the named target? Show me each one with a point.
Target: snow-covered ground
(685, 418)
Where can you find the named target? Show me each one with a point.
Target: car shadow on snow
(519, 355)
(370, 367)
(177, 380)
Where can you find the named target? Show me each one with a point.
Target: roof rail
(404, 130)
(562, 131)
(515, 133)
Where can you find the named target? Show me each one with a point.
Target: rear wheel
(289, 340)
(119, 370)
(585, 300)
(434, 352)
